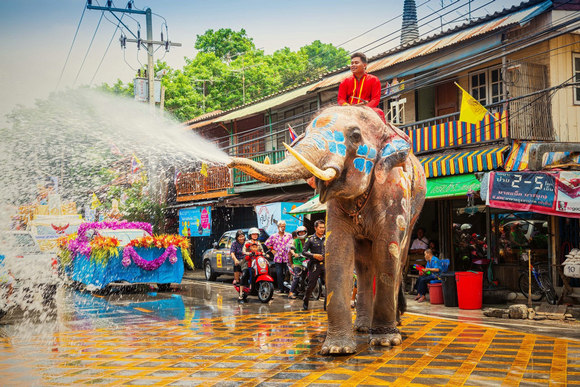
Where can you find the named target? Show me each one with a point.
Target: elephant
(374, 188)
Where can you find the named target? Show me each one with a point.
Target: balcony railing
(195, 184)
(275, 157)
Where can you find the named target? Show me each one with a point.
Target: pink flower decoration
(129, 254)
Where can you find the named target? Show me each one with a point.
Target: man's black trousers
(315, 271)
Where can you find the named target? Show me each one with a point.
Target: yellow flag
(203, 169)
(95, 202)
(471, 110)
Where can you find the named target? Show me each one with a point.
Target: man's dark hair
(319, 221)
(363, 57)
(422, 228)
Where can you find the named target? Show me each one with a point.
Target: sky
(37, 34)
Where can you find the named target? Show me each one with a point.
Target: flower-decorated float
(104, 252)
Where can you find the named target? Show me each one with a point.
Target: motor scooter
(303, 282)
(262, 284)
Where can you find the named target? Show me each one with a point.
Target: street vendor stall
(101, 253)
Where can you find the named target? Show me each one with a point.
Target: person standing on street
(297, 259)
(279, 244)
(236, 251)
(314, 250)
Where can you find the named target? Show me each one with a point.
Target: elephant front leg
(365, 275)
(339, 271)
(384, 329)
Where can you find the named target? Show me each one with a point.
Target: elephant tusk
(327, 174)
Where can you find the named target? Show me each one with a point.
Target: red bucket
(469, 289)
(436, 293)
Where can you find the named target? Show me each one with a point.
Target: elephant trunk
(288, 170)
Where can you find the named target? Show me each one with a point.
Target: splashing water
(77, 135)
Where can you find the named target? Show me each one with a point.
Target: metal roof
(265, 105)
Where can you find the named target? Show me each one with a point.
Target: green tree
(325, 57)
(224, 43)
(118, 88)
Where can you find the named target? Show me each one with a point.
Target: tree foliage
(224, 43)
(229, 71)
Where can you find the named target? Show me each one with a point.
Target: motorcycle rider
(314, 250)
(297, 259)
(253, 235)
(254, 254)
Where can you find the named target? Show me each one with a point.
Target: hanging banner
(195, 222)
(269, 214)
(551, 193)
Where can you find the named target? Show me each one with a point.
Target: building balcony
(196, 186)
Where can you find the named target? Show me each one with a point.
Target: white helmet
(253, 230)
(301, 229)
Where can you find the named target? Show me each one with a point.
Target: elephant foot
(338, 346)
(385, 337)
(361, 328)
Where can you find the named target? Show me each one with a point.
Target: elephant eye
(355, 137)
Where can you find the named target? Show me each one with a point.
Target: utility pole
(242, 70)
(140, 42)
(203, 83)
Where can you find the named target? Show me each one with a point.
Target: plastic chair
(444, 268)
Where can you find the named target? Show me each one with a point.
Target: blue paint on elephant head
(366, 162)
(334, 141)
(368, 167)
(362, 150)
(319, 141)
(332, 147)
(327, 134)
(359, 163)
(397, 145)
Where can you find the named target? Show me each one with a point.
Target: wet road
(200, 335)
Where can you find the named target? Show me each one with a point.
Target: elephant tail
(401, 304)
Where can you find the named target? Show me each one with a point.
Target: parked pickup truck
(36, 272)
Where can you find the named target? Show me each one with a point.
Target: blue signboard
(195, 222)
(528, 188)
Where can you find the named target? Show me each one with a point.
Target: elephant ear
(396, 149)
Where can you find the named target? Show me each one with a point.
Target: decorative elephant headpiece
(345, 147)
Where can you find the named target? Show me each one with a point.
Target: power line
(88, 49)
(71, 47)
(110, 41)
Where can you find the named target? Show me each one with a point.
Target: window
(486, 86)
(396, 113)
(576, 69)
(225, 242)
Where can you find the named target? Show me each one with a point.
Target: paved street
(199, 335)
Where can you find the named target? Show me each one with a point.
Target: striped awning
(459, 163)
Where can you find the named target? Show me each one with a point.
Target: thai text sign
(195, 222)
(552, 193)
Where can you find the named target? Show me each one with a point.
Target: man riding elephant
(374, 188)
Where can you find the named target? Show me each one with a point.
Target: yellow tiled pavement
(282, 350)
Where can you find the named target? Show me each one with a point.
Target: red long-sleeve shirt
(366, 90)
